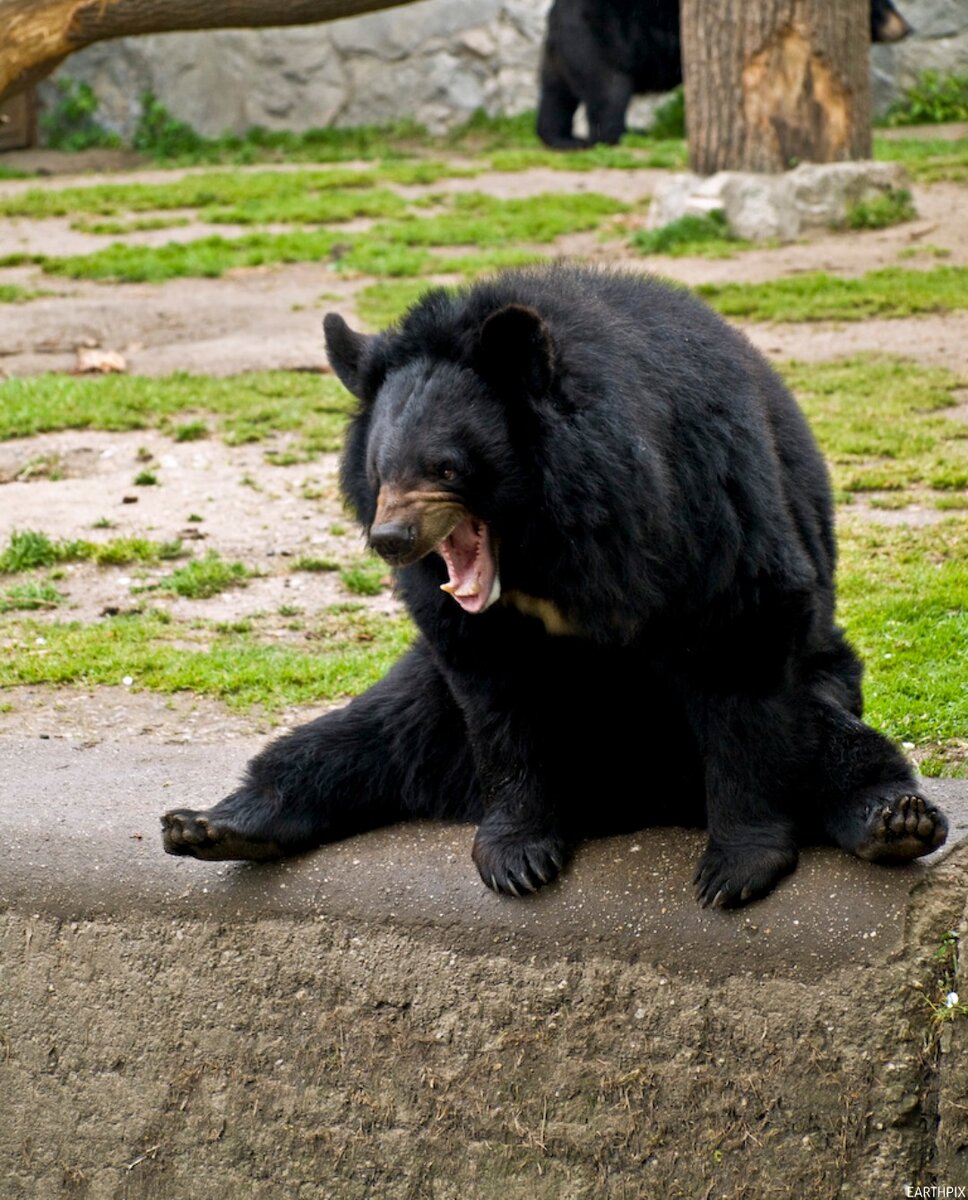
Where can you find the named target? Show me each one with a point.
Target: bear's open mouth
(471, 565)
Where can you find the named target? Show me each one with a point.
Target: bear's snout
(394, 541)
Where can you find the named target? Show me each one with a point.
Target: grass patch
(881, 423)
(478, 219)
(933, 98)
(888, 208)
(708, 235)
(926, 160)
(390, 248)
(817, 296)
(366, 577)
(32, 595)
(12, 293)
(366, 142)
(119, 228)
(28, 549)
(381, 304)
(191, 431)
(70, 122)
(315, 564)
(205, 577)
(246, 408)
(208, 257)
(635, 152)
(344, 653)
(902, 596)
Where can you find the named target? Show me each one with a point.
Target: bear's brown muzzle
(410, 522)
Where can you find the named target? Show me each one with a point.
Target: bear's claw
(728, 876)
(518, 863)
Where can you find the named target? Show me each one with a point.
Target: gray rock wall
(939, 43)
(437, 61)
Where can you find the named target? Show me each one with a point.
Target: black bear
(601, 53)
(612, 527)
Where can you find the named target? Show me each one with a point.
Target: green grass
(398, 247)
(31, 595)
(205, 577)
(334, 194)
(381, 304)
(932, 99)
(367, 577)
(707, 235)
(12, 293)
(881, 423)
(478, 219)
(28, 549)
(308, 563)
(244, 408)
(634, 153)
(70, 123)
(902, 601)
(343, 654)
(888, 208)
(119, 228)
(817, 296)
(207, 257)
(927, 160)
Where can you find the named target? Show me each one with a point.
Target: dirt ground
(262, 318)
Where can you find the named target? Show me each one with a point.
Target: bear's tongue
(473, 581)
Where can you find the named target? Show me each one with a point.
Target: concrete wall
(436, 61)
(369, 1021)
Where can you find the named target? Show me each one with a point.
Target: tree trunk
(37, 35)
(770, 83)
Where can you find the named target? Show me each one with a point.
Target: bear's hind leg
(872, 806)
(556, 108)
(397, 751)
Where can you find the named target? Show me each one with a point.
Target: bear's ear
(515, 353)
(347, 352)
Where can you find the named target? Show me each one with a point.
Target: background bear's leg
(556, 108)
(606, 95)
(399, 750)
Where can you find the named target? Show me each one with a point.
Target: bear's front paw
(730, 875)
(199, 834)
(517, 861)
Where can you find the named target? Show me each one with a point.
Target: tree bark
(39, 34)
(770, 83)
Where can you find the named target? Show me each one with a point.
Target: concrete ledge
(369, 1021)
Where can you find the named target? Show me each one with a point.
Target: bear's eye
(446, 472)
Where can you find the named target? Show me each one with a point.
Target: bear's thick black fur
(601, 53)
(613, 529)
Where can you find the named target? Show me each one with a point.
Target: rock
(775, 207)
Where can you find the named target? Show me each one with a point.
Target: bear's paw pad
(902, 827)
(518, 863)
(185, 831)
(728, 876)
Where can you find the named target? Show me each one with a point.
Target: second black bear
(601, 53)
(613, 530)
